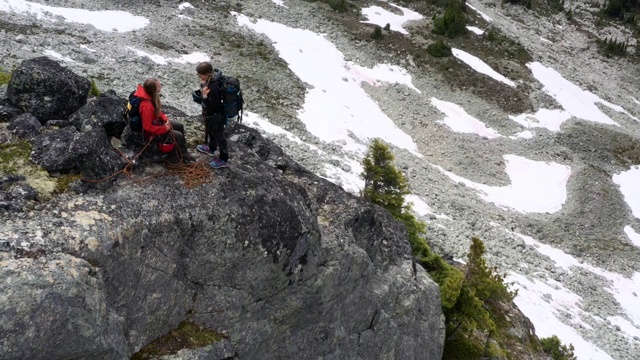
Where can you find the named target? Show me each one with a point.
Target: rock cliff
(285, 264)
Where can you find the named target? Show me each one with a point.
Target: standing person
(155, 122)
(214, 114)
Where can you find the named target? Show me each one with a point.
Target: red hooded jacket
(150, 124)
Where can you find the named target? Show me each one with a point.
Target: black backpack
(131, 112)
(231, 97)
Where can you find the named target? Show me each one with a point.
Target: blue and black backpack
(232, 97)
(131, 112)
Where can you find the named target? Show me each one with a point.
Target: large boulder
(51, 150)
(88, 152)
(286, 264)
(103, 112)
(25, 126)
(47, 90)
(95, 157)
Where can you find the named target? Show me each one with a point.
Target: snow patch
(628, 181)
(421, 208)
(105, 20)
(480, 66)
(536, 186)
(475, 30)
(382, 73)
(484, 16)
(542, 304)
(632, 235)
(459, 121)
(522, 135)
(381, 17)
(58, 56)
(352, 117)
(192, 58)
(543, 118)
(577, 102)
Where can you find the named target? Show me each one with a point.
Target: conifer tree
(383, 183)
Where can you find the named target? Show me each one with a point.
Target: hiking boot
(218, 164)
(205, 150)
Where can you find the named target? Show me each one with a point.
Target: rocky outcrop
(54, 308)
(284, 263)
(47, 90)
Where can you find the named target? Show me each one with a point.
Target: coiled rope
(192, 174)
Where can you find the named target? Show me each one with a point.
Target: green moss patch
(186, 336)
(14, 159)
(5, 77)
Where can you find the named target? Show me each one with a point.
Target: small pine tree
(558, 351)
(387, 27)
(453, 22)
(439, 49)
(94, 91)
(338, 5)
(383, 183)
(377, 33)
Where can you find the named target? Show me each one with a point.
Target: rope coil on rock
(193, 174)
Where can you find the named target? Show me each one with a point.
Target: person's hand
(205, 92)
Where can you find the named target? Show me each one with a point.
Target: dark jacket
(212, 104)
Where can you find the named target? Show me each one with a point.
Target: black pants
(180, 151)
(217, 138)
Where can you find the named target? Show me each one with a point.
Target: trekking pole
(206, 130)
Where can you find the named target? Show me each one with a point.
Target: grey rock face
(101, 112)
(25, 126)
(283, 262)
(58, 311)
(47, 90)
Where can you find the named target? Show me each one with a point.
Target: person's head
(205, 71)
(153, 87)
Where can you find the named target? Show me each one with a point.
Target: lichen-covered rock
(14, 193)
(51, 150)
(53, 307)
(95, 157)
(286, 264)
(8, 112)
(47, 90)
(103, 112)
(25, 126)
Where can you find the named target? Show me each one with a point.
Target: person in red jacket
(155, 122)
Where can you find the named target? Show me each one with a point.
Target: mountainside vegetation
(475, 297)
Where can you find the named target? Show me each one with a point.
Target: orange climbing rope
(193, 174)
